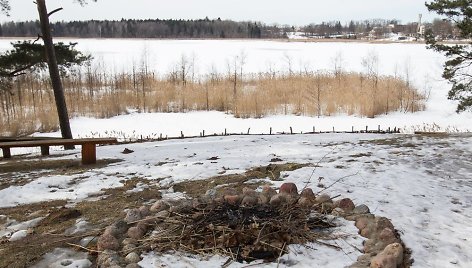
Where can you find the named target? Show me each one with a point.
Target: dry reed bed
(29, 106)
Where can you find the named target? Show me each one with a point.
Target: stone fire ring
(382, 249)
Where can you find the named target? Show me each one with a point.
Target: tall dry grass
(29, 106)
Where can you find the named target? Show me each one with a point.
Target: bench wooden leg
(44, 150)
(6, 152)
(89, 154)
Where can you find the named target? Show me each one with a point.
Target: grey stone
(323, 198)
(279, 199)
(129, 248)
(249, 201)
(133, 215)
(107, 241)
(390, 257)
(132, 257)
(136, 232)
(361, 209)
(128, 240)
(159, 205)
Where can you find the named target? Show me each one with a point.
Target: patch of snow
(76, 187)
(62, 257)
(81, 226)
(18, 235)
(11, 227)
(139, 188)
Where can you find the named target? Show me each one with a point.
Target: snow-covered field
(422, 183)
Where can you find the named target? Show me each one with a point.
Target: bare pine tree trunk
(54, 72)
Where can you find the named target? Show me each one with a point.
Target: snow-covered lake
(260, 56)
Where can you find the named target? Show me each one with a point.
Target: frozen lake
(259, 56)
(422, 67)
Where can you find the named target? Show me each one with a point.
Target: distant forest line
(217, 28)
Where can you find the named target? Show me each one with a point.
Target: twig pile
(243, 233)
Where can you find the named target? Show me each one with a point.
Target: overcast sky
(293, 12)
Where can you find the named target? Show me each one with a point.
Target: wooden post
(313, 129)
(366, 128)
(44, 150)
(352, 129)
(291, 131)
(379, 128)
(160, 136)
(249, 129)
(225, 131)
(89, 154)
(203, 133)
(6, 152)
(270, 131)
(333, 129)
(182, 134)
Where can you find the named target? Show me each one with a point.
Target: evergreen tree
(457, 68)
(31, 56)
(49, 50)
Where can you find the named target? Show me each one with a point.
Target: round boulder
(345, 204)
(323, 199)
(306, 202)
(107, 241)
(133, 215)
(279, 200)
(361, 209)
(263, 199)
(363, 222)
(390, 257)
(382, 223)
(308, 193)
(144, 210)
(249, 201)
(289, 188)
(132, 257)
(159, 206)
(268, 191)
(232, 199)
(136, 232)
(249, 192)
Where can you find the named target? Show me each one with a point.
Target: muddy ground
(98, 211)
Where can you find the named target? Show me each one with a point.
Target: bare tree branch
(54, 11)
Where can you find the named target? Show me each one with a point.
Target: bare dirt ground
(98, 211)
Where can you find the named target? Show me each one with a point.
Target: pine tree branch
(54, 11)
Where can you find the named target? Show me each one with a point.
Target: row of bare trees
(94, 91)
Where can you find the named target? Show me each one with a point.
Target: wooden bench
(89, 155)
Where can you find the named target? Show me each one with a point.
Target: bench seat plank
(57, 142)
(89, 155)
